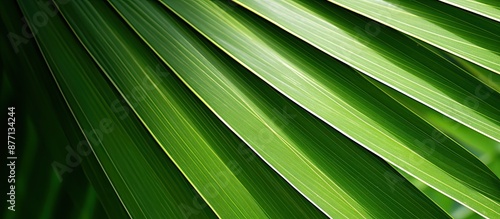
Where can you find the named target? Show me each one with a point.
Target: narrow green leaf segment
(334, 93)
(486, 8)
(325, 157)
(469, 137)
(269, 109)
(211, 157)
(389, 57)
(130, 157)
(441, 25)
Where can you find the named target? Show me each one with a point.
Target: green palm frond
(279, 108)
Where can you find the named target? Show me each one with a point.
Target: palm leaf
(437, 24)
(208, 164)
(328, 97)
(271, 109)
(90, 106)
(259, 108)
(489, 9)
(385, 57)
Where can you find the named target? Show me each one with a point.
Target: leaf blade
(315, 94)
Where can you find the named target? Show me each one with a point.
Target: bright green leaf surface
(487, 8)
(250, 108)
(210, 155)
(387, 56)
(333, 92)
(441, 25)
(127, 144)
